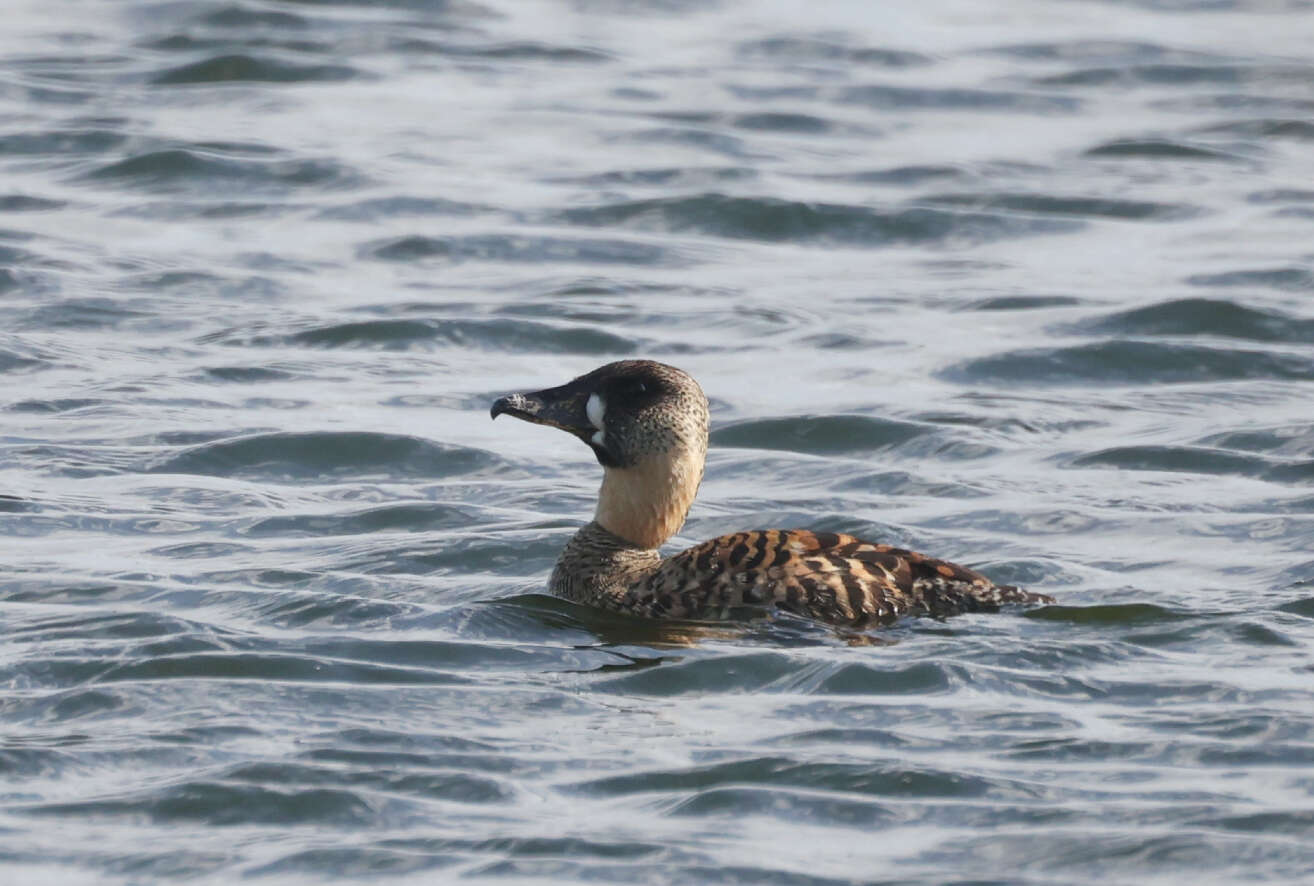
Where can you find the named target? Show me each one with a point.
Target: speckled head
(647, 424)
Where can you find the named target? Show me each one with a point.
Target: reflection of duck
(647, 424)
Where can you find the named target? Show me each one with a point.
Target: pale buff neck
(646, 504)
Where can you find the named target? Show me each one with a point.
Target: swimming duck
(647, 424)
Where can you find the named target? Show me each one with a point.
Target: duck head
(647, 424)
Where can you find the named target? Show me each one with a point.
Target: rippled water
(1026, 285)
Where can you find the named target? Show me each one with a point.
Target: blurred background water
(1025, 285)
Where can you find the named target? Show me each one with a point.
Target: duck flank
(647, 424)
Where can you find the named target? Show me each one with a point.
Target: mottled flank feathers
(826, 576)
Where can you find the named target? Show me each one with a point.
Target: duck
(647, 423)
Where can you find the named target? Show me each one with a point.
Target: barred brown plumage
(647, 424)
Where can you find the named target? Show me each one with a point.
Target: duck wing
(826, 576)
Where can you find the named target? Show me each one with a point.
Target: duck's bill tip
(526, 406)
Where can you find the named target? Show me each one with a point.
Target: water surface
(1027, 286)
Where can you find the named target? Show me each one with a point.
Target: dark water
(1027, 285)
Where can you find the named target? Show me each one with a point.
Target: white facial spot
(598, 437)
(596, 409)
